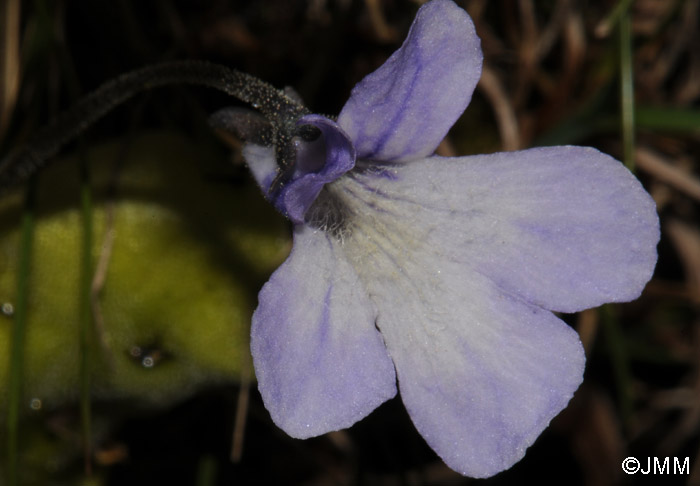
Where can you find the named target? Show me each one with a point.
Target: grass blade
(86, 271)
(627, 91)
(18, 337)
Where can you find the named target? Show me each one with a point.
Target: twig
(492, 88)
(241, 412)
(659, 167)
(9, 60)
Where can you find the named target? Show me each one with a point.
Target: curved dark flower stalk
(279, 110)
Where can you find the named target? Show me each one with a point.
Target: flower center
(317, 163)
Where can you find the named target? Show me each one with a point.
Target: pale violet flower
(435, 274)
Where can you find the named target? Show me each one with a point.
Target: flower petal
(461, 255)
(262, 164)
(565, 228)
(404, 109)
(317, 163)
(481, 371)
(321, 365)
(315, 168)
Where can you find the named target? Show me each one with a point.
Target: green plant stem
(85, 316)
(18, 337)
(627, 90)
(615, 16)
(206, 471)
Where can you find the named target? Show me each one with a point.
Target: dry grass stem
(492, 88)
(9, 60)
(661, 168)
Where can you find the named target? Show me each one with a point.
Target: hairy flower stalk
(279, 110)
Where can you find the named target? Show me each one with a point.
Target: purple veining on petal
(395, 121)
(383, 169)
(476, 367)
(325, 319)
(566, 228)
(314, 169)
